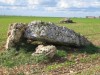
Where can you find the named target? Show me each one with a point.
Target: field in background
(90, 28)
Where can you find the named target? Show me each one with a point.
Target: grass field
(84, 60)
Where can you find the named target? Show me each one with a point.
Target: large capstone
(53, 34)
(15, 32)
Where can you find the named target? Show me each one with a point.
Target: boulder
(66, 20)
(15, 32)
(48, 51)
(53, 34)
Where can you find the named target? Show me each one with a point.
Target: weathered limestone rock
(53, 34)
(15, 32)
(48, 51)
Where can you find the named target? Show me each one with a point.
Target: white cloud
(30, 4)
(51, 9)
(8, 1)
(75, 7)
(78, 3)
(16, 7)
(1, 7)
(34, 3)
(59, 5)
(68, 7)
(63, 4)
(95, 4)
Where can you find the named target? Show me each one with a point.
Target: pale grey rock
(53, 34)
(15, 32)
(48, 51)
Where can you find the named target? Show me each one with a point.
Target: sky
(53, 8)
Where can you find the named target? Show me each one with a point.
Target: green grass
(61, 53)
(95, 70)
(12, 58)
(56, 66)
(90, 58)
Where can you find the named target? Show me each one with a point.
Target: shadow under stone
(90, 49)
(27, 47)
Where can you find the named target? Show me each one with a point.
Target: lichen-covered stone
(15, 32)
(48, 51)
(53, 34)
